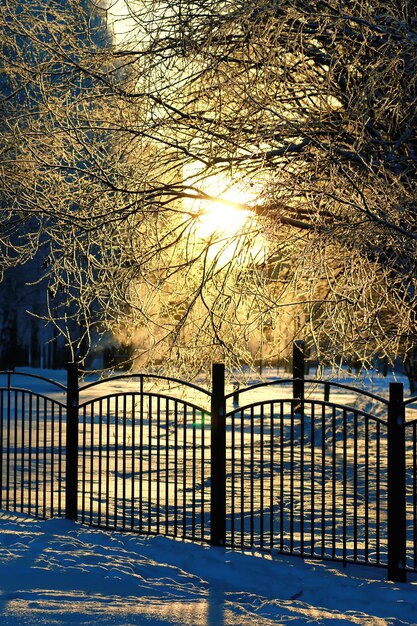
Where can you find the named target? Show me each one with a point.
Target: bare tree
(302, 114)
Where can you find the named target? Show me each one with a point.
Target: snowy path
(60, 572)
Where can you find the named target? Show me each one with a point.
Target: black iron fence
(144, 462)
(296, 468)
(33, 448)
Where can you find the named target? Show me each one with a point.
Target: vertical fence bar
(8, 439)
(203, 474)
(108, 462)
(83, 485)
(71, 464)
(218, 457)
(243, 457)
(252, 476)
(167, 470)
(184, 473)
(1, 447)
(100, 461)
(396, 485)
(44, 456)
(281, 475)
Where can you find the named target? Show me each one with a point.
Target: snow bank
(60, 572)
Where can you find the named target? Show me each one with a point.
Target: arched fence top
(143, 394)
(142, 378)
(314, 385)
(37, 396)
(12, 373)
(412, 400)
(320, 403)
(312, 381)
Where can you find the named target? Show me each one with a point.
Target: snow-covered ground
(61, 572)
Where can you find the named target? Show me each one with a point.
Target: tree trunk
(8, 355)
(411, 370)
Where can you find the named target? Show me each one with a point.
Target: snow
(62, 572)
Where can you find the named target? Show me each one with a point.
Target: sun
(225, 217)
(225, 223)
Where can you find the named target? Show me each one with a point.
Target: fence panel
(144, 465)
(411, 483)
(32, 442)
(308, 478)
(411, 495)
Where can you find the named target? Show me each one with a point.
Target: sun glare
(222, 219)
(226, 222)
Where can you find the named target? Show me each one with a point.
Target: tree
(302, 113)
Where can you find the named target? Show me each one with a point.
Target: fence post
(218, 458)
(71, 461)
(298, 366)
(326, 392)
(396, 485)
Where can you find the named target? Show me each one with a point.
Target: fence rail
(297, 473)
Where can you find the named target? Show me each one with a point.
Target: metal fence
(144, 463)
(32, 440)
(293, 469)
